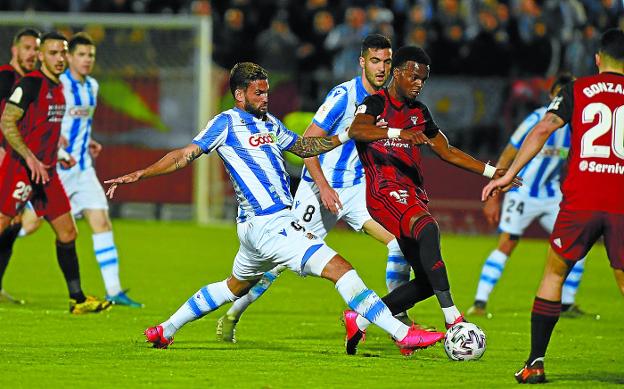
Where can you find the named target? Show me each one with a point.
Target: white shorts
(519, 211)
(83, 189)
(277, 239)
(315, 217)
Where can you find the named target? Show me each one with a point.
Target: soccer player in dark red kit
(387, 128)
(593, 190)
(23, 60)
(31, 124)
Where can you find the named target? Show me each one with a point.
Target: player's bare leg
(491, 272)
(107, 256)
(66, 233)
(619, 279)
(544, 316)
(8, 233)
(30, 222)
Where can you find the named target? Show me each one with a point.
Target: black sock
(565, 307)
(405, 296)
(68, 261)
(7, 239)
(426, 232)
(544, 316)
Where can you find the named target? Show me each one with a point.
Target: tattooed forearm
(192, 155)
(11, 115)
(314, 145)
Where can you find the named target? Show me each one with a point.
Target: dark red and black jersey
(393, 162)
(594, 107)
(8, 77)
(43, 103)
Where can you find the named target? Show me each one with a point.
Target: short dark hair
(612, 44)
(81, 38)
(26, 32)
(410, 53)
(243, 73)
(560, 81)
(53, 35)
(375, 41)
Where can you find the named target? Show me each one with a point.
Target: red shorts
(575, 232)
(393, 208)
(16, 189)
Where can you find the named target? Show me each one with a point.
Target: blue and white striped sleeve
(332, 110)
(285, 137)
(214, 134)
(523, 129)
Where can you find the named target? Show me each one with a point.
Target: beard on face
(254, 110)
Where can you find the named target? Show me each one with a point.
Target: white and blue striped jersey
(341, 166)
(80, 102)
(251, 150)
(541, 176)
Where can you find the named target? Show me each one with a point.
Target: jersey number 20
(607, 120)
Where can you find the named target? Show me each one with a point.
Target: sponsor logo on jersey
(607, 168)
(56, 112)
(257, 140)
(395, 143)
(554, 152)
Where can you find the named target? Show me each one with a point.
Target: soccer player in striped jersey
(83, 188)
(333, 185)
(537, 198)
(23, 60)
(250, 141)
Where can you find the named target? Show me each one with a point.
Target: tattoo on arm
(11, 115)
(310, 146)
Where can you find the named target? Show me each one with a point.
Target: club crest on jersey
(257, 140)
(414, 119)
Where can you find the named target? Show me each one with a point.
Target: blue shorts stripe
(194, 307)
(495, 265)
(108, 262)
(104, 250)
(208, 298)
(577, 269)
(357, 300)
(374, 312)
(309, 252)
(270, 276)
(489, 280)
(397, 276)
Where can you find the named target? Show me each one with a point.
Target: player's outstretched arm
(172, 161)
(8, 122)
(530, 147)
(310, 146)
(492, 207)
(365, 129)
(329, 197)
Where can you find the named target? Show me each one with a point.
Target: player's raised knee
(336, 268)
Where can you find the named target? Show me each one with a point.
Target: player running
(81, 184)
(24, 51)
(592, 203)
(537, 198)
(332, 186)
(250, 142)
(394, 181)
(31, 123)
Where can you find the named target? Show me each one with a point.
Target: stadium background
(493, 62)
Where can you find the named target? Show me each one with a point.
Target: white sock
(206, 300)
(366, 302)
(451, 314)
(21, 233)
(106, 255)
(490, 274)
(240, 305)
(572, 282)
(397, 268)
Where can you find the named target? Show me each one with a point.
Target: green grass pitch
(292, 337)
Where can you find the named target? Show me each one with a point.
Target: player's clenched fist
(415, 137)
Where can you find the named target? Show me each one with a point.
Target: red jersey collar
(396, 104)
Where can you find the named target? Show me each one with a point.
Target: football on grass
(464, 341)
